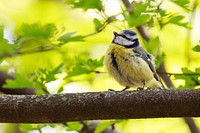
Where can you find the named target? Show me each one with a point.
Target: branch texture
(60, 108)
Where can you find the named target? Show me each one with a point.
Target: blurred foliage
(183, 3)
(52, 41)
(71, 126)
(196, 48)
(82, 66)
(191, 77)
(105, 124)
(6, 48)
(86, 4)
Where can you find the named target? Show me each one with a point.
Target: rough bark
(60, 108)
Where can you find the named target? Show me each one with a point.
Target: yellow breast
(126, 68)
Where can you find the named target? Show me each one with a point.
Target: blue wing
(140, 52)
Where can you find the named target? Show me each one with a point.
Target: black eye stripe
(123, 36)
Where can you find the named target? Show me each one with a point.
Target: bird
(129, 63)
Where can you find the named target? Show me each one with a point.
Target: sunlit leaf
(101, 127)
(60, 90)
(153, 45)
(183, 3)
(6, 49)
(85, 66)
(45, 75)
(139, 15)
(97, 24)
(177, 19)
(38, 30)
(86, 4)
(25, 127)
(191, 78)
(20, 81)
(140, 8)
(70, 37)
(141, 20)
(36, 38)
(196, 48)
(71, 126)
(162, 12)
(160, 59)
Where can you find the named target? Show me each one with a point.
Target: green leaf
(36, 37)
(37, 30)
(82, 66)
(101, 127)
(70, 37)
(79, 68)
(43, 76)
(183, 3)
(134, 20)
(25, 127)
(177, 19)
(71, 126)
(86, 4)
(97, 24)
(160, 59)
(20, 81)
(191, 78)
(196, 48)
(139, 15)
(162, 12)
(152, 46)
(60, 90)
(140, 8)
(6, 49)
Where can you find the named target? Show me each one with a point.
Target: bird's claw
(150, 88)
(111, 90)
(140, 88)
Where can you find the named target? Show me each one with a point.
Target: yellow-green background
(176, 44)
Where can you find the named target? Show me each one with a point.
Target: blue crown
(129, 32)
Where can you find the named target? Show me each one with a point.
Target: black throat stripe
(135, 44)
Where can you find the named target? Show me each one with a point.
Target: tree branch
(59, 108)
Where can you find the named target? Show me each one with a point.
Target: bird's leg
(142, 88)
(121, 90)
(125, 88)
(111, 90)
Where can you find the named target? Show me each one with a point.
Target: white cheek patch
(123, 41)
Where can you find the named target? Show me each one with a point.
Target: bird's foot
(150, 88)
(111, 90)
(140, 88)
(125, 88)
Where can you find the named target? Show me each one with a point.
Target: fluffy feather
(129, 63)
(129, 68)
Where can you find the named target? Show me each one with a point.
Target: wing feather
(140, 52)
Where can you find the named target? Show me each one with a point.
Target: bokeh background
(66, 40)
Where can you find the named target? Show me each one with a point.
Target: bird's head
(126, 38)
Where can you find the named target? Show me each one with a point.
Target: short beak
(115, 33)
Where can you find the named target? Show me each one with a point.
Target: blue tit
(129, 64)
